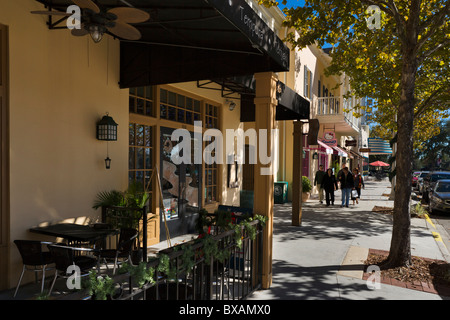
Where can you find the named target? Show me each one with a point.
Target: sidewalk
(322, 259)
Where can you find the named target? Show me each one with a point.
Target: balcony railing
(326, 105)
(190, 272)
(336, 106)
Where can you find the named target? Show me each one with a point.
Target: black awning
(291, 106)
(187, 40)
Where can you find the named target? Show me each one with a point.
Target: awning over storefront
(187, 40)
(355, 154)
(327, 148)
(341, 152)
(291, 106)
(379, 146)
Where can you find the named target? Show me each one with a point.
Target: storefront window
(179, 108)
(140, 164)
(141, 101)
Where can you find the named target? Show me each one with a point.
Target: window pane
(148, 136)
(197, 105)
(148, 158)
(149, 92)
(140, 106)
(189, 118)
(140, 158)
(172, 98)
(189, 103)
(140, 92)
(139, 135)
(163, 95)
(149, 108)
(131, 134)
(181, 101)
(131, 177)
(180, 115)
(172, 114)
(131, 159)
(140, 177)
(163, 111)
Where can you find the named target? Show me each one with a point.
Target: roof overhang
(188, 40)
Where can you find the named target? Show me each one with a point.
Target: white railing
(327, 105)
(336, 106)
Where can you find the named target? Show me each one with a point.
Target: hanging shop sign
(329, 138)
(350, 143)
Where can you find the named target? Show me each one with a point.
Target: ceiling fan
(96, 21)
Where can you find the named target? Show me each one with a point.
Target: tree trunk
(400, 251)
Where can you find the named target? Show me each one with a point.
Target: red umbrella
(379, 164)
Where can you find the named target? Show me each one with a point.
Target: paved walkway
(322, 258)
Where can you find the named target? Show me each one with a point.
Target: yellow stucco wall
(59, 87)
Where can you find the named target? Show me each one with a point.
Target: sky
(291, 3)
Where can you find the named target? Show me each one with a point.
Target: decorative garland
(210, 251)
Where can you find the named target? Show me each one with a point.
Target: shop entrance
(181, 188)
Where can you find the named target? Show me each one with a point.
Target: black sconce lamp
(107, 131)
(315, 156)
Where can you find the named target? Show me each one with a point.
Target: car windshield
(436, 177)
(423, 174)
(443, 187)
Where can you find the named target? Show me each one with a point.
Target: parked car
(440, 197)
(423, 174)
(430, 180)
(415, 177)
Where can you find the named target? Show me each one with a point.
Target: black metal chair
(34, 259)
(65, 256)
(123, 250)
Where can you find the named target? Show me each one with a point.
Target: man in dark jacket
(346, 181)
(329, 184)
(318, 182)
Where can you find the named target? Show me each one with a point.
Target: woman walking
(329, 184)
(358, 182)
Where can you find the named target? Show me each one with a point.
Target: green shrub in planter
(306, 184)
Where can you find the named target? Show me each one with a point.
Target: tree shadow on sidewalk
(294, 282)
(329, 223)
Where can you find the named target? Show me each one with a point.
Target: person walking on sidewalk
(347, 184)
(358, 182)
(318, 182)
(329, 184)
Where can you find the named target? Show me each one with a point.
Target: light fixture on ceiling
(96, 32)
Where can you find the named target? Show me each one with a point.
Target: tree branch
(434, 23)
(426, 103)
(428, 53)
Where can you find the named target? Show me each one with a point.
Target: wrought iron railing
(191, 272)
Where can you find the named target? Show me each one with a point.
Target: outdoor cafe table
(74, 233)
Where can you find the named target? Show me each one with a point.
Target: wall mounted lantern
(107, 131)
(315, 156)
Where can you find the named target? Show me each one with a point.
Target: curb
(437, 237)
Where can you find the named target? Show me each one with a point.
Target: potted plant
(135, 196)
(306, 188)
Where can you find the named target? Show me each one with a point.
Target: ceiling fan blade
(79, 32)
(52, 13)
(87, 4)
(125, 31)
(130, 15)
